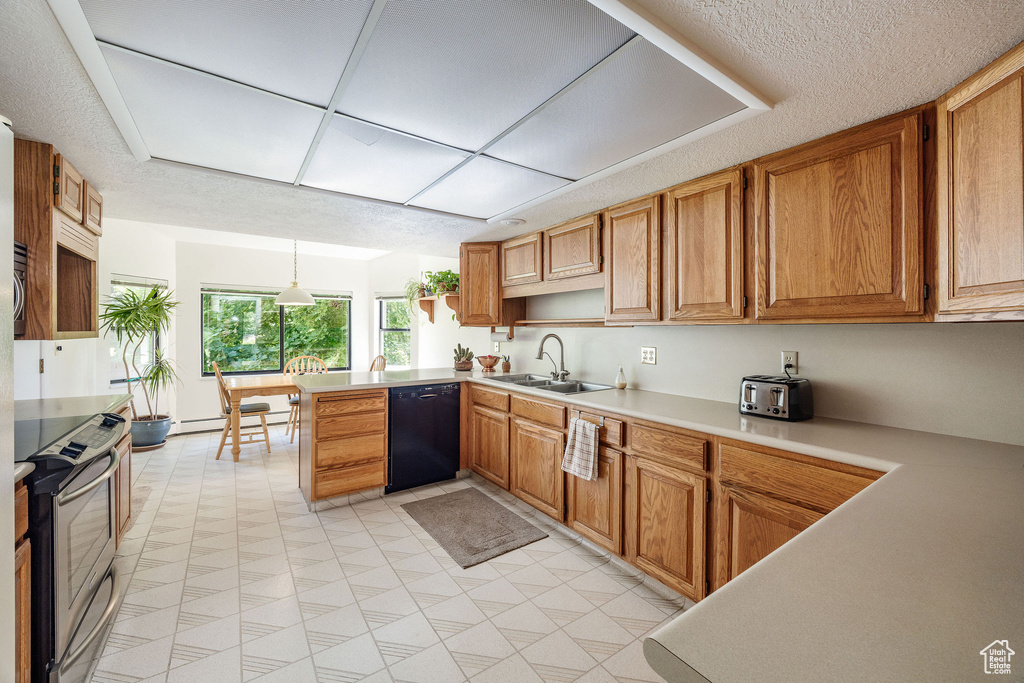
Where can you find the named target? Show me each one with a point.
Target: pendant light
(294, 295)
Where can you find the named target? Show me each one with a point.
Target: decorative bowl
(489, 362)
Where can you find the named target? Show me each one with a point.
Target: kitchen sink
(547, 384)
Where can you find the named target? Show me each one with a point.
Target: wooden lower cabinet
(753, 526)
(123, 488)
(536, 467)
(664, 524)
(23, 612)
(343, 444)
(488, 444)
(594, 508)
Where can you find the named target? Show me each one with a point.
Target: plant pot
(148, 431)
(463, 365)
(506, 366)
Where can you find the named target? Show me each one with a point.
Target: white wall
(960, 379)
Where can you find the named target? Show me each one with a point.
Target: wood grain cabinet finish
(69, 195)
(981, 194)
(123, 489)
(573, 249)
(664, 524)
(92, 217)
(479, 284)
(754, 526)
(489, 445)
(536, 467)
(343, 442)
(594, 508)
(632, 241)
(839, 225)
(521, 260)
(703, 249)
(23, 612)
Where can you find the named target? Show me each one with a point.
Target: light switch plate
(649, 355)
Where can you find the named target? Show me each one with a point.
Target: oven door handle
(115, 460)
(108, 613)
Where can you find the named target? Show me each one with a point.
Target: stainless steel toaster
(776, 396)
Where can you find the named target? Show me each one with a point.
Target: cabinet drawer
(20, 510)
(537, 411)
(357, 450)
(490, 399)
(613, 433)
(344, 480)
(345, 405)
(671, 447)
(794, 478)
(344, 426)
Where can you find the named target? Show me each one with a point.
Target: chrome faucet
(562, 372)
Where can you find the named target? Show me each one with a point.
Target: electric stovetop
(38, 423)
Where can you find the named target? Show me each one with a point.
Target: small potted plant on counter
(463, 358)
(132, 317)
(506, 364)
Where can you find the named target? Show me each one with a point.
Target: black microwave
(20, 278)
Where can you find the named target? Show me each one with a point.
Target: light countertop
(908, 580)
(40, 422)
(22, 470)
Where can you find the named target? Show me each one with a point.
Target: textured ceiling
(827, 65)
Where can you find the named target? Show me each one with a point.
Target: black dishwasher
(423, 441)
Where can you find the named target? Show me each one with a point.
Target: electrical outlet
(790, 358)
(497, 348)
(649, 355)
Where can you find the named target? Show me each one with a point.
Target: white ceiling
(827, 66)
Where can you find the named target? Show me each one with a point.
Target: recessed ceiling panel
(297, 48)
(193, 118)
(462, 71)
(357, 158)
(639, 99)
(485, 187)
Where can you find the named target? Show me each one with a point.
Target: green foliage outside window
(395, 335)
(320, 330)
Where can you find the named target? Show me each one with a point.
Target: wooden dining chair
(300, 365)
(378, 364)
(253, 434)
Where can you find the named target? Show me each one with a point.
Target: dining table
(240, 387)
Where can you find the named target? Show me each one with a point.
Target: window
(395, 336)
(246, 332)
(141, 285)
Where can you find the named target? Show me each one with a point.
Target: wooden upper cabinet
(521, 260)
(631, 245)
(69, 188)
(703, 254)
(92, 217)
(573, 249)
(839, 225)
(479, 287)
(981, 193)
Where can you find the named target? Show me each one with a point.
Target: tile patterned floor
(232, 579)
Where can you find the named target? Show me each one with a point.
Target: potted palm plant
(132, 317)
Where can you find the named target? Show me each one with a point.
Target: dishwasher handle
(423, 397)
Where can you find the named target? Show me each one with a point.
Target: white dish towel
(581, 450)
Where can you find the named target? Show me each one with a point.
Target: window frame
(381, 315)
(203, 290)
(148, 284)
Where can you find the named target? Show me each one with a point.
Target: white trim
(703, 131)
(241, 290)
(76, 27)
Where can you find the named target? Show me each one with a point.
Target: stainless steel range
(72, 529)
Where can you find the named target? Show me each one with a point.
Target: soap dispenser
(620, 379)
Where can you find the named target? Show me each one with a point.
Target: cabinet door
(123, 489)
(23, 612)
(93, 214)
(664, 524)
(595, 507)
(981, 193)
(521, 260)
(69, 188)
(480, 294)
(536, 475)
(703, 264)
(751, 527)
(839, 225)
(631, 245)
(573, 249)
(488, 455)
